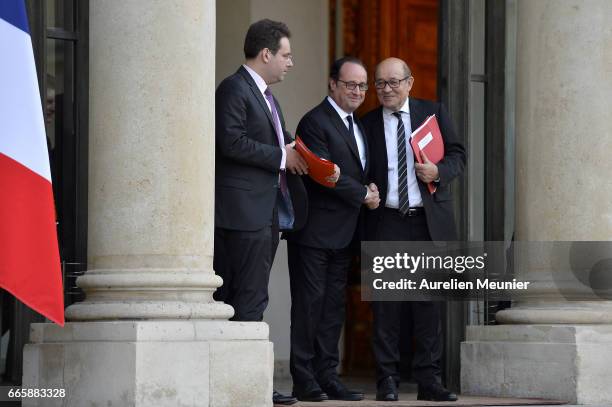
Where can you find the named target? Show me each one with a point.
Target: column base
(151, 363)
(563, 362)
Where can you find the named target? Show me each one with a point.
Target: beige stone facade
(552, 344)
(150, 333)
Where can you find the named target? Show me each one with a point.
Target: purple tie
(279, 136)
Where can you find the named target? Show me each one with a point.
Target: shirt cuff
(284, 159)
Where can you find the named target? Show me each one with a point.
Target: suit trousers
(424, 315)
(318, 298)
(243, 260)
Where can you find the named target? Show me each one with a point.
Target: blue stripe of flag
(14, 12)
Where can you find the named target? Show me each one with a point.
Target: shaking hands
(372, 199)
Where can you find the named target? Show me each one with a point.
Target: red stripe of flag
(29, 255)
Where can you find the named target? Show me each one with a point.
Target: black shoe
(278, 398)
(386, 390)
(312, 395)
(336, 390)
(436, 392)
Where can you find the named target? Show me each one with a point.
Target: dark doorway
(458, 52)
(373, 31)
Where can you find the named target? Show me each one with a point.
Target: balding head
(393, 80)
(393, 63)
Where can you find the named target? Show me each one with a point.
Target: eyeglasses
(286, 57)
(352, 85)
(393, 83)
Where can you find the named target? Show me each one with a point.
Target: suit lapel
(380, 136)
(286, 135)
(341, 127)
(249, 79)
(365, 144)
(417, 116)
(379, 148)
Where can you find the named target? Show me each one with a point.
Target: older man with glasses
(320, 253)
(409, 213)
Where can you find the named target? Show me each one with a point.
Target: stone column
(553, 344)
(149, 332)
(151, 163)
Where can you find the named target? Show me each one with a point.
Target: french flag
(29, 255)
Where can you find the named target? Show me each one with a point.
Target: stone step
(409, 400)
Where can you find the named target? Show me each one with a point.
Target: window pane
(476, 160)
(59, 104)
(477, 37)
(60, 126)
(60, 14)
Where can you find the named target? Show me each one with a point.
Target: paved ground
(408, 398)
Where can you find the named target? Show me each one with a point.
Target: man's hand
(372, 199)
(335, 176)
(294, 162)
(428, 171)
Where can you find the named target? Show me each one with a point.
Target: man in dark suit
(409, 213)
(255, 195)
(320, 253)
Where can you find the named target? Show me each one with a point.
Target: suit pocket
(443, 194)
(324, 204)
(233, 182)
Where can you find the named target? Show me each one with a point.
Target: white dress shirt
(262, 86)
(390, 122)
(358, 136)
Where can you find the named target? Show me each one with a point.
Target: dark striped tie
(402, 178)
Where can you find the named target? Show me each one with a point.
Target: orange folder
(427, 138)
(318, 168)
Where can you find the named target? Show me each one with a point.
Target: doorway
(461, 53)
(373, 31)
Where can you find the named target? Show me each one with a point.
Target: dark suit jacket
(332, 212)
(439, 206)
(248, 158)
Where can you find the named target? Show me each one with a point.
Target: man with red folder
(409, 212)
(320, 253)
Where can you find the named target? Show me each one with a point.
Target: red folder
(318, 168)
(427, 138)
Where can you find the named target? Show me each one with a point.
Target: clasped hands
(372, 199)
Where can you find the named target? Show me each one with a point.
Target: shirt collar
(405, 108)
(261, 84)
(338, 109)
